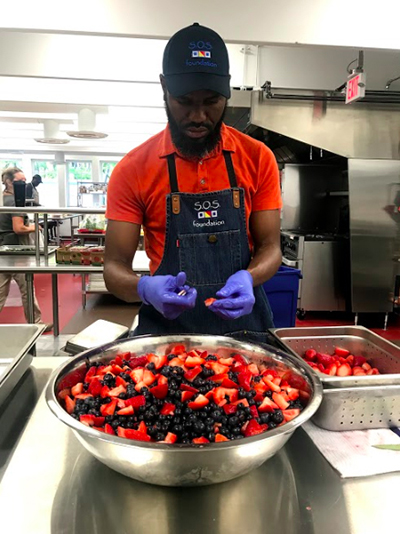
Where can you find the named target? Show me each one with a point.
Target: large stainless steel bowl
(182, 465)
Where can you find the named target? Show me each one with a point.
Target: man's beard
(194, 148)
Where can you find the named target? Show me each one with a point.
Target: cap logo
(201, 53)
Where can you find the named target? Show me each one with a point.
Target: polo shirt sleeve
(123, 195)
(268, 193)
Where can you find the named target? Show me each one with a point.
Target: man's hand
(162, 293)
(236, 298)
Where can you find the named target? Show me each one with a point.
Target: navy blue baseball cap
(196, 58)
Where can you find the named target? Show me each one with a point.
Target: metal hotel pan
(358, 340)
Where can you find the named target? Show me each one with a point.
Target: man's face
(195, 120)
(36, 182)
(19, 177)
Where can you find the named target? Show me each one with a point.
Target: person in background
(14, 229)
(31, 189)
(209, 200)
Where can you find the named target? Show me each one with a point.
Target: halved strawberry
(98, 428)
(244, 379)
(64, 393)
(162, 380)
(366, 366)
(279, 399)
(95, 387)
(254, 411)
(220, 393)
(91, 372)
(137, 361)
(344, 370)
(253, 369)
(115, 392)
(159, 392)
(130, 433)
(245, 402)
(185, 387)
(191, 375)
(116, 370)
(186, 395)
(177, 349)
(136, 402)
(137, 375)
(227, 383)
(341, 352)
(84, 396)
(118, 359)
(218, 368)
(139, 386)
(108, 429)
(108, 409)
(240, 359)
(267, 405)
(290, 414)
(199, 402)
(77, 389)
(170, 438)
(177, 362)
(218, 378)
(148, 377)
(194, 361)
(104, 391)
(226, 361)
(87, 419)
(254, 428)
(99, 421)
(332, 369)
(168, 409)
(219, 438)
(310, 354)
(126, 411)
(209, 301)
(359, 361)
(230, 409)
(120, 382)
(359, 371)
(142, 427)
(373, 371)
(271, 385)
(350, 360)
(200, 440)
(325, 359)
(69, 404)
(159, 361)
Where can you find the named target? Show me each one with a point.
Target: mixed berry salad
(183, 397)
(340, 363)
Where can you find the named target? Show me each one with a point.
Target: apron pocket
(210, 258)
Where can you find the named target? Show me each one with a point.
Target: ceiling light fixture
(51, 134)
(86, 126)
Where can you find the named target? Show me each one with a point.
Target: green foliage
(80, 171)
(46, 169)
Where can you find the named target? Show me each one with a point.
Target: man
(14, 230)
(208, 198)
(31, 189)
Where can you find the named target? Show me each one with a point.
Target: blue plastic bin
(282, 291)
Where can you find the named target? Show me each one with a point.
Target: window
(48, 190)
(77, 171)
(5, 163)
(106, 168)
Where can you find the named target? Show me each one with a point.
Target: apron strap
(173, 179)
(230, 169)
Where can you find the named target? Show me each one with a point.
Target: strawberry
(139, 386)
(344, 370)
(148, 377)
(341, 352)
(137, 361)
(240, 359)
(218, 368)
(64, 393)
(185, 387)
(350, 360)
(99, 421)
(159, 361)
(120, 382)
(137, 375)
(219, 394)
(116, 370)
(142, 427)
(84, 396)
(359, 371)
(226, 361)
(219, 378)
(72, 378)
(366, 366)
(168, 409)
(271, 385)
(92, 371)
(230, 409)
(254, 428)
(132, 434)
(77, 389)
(95, 387)
(98, 428)
(292, 393)
(170, 438)
(219, 438)
(290, 414)
(186, 395)
(359, 361)
(209, 301)
(325, 359)
(199, 402)
(162, 380)
(159, 392)
(87, 419)
(332, 369)
(254, 412)
(108, 409)
(116, 391)
(253, 369)
(191, 375)
(227, 383)
(245, 402)
(136, 402)
(108, 429)
(104, 392)
(200, 440)
(310, 354)
(118, 359)
(267, 405)
(178, 349)
(193, 361)
(69, 404)
(126, 411)
(279, 399)
(244, 379)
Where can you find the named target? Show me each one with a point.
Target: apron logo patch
(209, 214)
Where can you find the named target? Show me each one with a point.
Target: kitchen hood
(367, 129)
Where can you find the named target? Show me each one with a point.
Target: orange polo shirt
(140, 182)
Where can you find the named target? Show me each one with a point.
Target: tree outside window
(5, 163)
(48, 190)
(107, 168)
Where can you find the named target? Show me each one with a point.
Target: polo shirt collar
(167, 147)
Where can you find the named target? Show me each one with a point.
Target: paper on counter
(353, 454)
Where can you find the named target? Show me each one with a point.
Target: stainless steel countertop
(27, 264)
(52, 485)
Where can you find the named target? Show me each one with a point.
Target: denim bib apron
(206, 237)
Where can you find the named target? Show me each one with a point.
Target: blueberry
(177, 429)
(272, 425)
(223, 430)
(236, 431)
(151, 366)
(171, 357)
(166, 371)
(216, 416)
(277, 417)
(233, 421)
(186, 441)
(199, 427)
(211, 436)
(264, 418)
(160, 436)
(212, 358)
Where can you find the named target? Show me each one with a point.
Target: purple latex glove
(162, 293)
(236, 298)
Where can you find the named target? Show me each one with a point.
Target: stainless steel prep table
(30, 266)
(52, 485)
